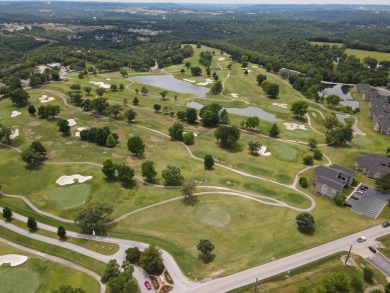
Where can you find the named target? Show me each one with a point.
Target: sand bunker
(15, 113)
(108, 79)
(189, 80)
(255, 66)
(235, 96)
(207, 82)
(14, 133)
(285, 106)
(262, 152)
(314, 114)
(79, 129)
(45, 99)
(65, 180)
(13, 259)
(101, 84)
(293, 126)
(221, 59)
(72, 122)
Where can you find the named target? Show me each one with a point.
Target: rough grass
(361, 54)
(212, 215)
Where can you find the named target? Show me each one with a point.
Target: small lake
(168, 82)
(248, 111)
(341, 90)
(342, 117)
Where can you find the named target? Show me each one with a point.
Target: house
(370, 94)
(374, 166)
(286, 73)
(363, 87)
(54, 64)
(380, 114)
(331, 180)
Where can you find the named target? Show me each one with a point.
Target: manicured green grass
(361, 54)
(38, 274)
(285, 152)
(67, 197)
(362, 141)
(212, 215)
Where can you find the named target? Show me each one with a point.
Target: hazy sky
(366, 2)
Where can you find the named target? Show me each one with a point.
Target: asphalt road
(380, 262)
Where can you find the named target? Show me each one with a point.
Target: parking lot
(380, 262)
(369, 203)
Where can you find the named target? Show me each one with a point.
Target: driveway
(379, 261)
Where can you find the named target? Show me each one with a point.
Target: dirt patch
(155, 139)
(216, 274)
(54, 154)
(350, 262)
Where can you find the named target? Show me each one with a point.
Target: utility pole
(349, 252)
(256, 286)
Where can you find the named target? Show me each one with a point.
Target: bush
(208, 161)
(303, 182)
(189, 138)
(357, 284)
(339, 199)
(133, 254)
(308, 160)
(368, 274)
(317, 155)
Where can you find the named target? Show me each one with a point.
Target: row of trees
(100, 136)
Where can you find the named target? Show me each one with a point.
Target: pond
(248, 111)
(341, 90)
(342, 117)
(168, 82)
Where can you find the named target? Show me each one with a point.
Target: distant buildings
(374, 166)
(54, 64)
(331, 180)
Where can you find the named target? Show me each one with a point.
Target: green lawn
(361, 54)
(327, 43)
(67, 197)
(38, 274)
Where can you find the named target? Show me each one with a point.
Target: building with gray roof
(331, 180)
(380, 114)
(372, 165)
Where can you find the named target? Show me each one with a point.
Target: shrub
(303, 182)
(308, 160)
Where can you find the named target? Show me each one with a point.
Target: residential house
(363, 87)
(331, 180)
(370, 94)
(373, 166)
(380, 114)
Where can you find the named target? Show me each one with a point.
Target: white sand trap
(195, 134)
(108, 79)
(101, 84)
(13, 259)
(285, 106)
(44, 99)
(314, 114)
(235, 96)
(221, 59)
(14, 134)
(207, 82)
(249, 70)
(262, 152)
(293, 126)
(255, 66)
(15, 113)
(189, 80)
(65, 180)
(72, 122)
(79, 129)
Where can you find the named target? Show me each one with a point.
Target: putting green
(213, 215)
(362, 141)
(286, 153)
(278, 109)
(18, 280)
(69, 196)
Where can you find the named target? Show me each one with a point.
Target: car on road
(361, 239)
(372, 249)
(386, 224)
(147, 285)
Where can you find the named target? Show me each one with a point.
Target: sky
(361, 2)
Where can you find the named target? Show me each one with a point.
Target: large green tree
(151, 259)
(93, 216)
(148, 171)
(136, 145)
(205, 247)
(172, 176)
(299, 108)
(19, 97)
(383, 183)
(227, 135)
(176, 131)
(305, 222)
(63, 126)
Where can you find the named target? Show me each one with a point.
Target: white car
(361, 239)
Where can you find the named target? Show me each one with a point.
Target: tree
(357, 284)
(100, 92)
(144, 91)
(308, 160)
(130, 115)
(124, 101)
(227, 135)
(303, 182)
(31, 157)
(305, 222)
(100, 105)
(252, 122)
(111, 271)
(387, 288)
(388, 152)
(187, 191)
(148, 171)
(38, 147)
(216, 88)
(172, 176)
(19, 97)
(109, 168)
(299, 108)
(110, 141)
(260, 78)
(340, 136)
(305, 289)
(274, 131)
(125, 175)
(224, 117)
(196, 71)
(157, 107)
(31, 109)
(187, 64)
(383, 183)
(312, 143)
(208, 161)
(88, 90)
(151, 259)
(135, 101)
(63, 126)
(32, 224)
(75, 86)
(121, 87)
(115, 109)
(7, 213)
(272, 90)
(136, 145)
(93, 216)
(61, 232)
(368, 274)
(123, 72)
(254, 146)
(133, 255)
(68, 289)
(317, 155)
(136, 91)
(176, 131)
(339, 199)
(86, 105)
(333, 100)
(163, 94)
(205, 247)
(189, 138)
(191, 115)
(371, 61)
(331, 122)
